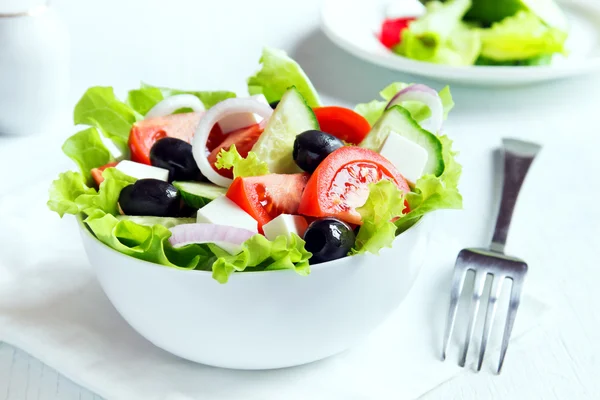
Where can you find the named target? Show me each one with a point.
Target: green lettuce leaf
(278, 73)
(100, 108)
(64, 192)
(87, 150)
(434, 193)
(522, 36)
(148, 243)
(373, 110)
(440, 36)
(285, 252)
(385, 203)
(208, 98)
(249, 166)
(142, 100)
(107, 197)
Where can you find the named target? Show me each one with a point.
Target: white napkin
(52, 307)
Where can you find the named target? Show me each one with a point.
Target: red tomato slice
(181, 126)
(265, 197)
(341, 183)
(146, 132)
(391, 30)
(97, 172)
(342, 123)
(244, 139)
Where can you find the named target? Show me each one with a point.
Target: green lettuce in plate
(523, 36)
(440, 36)
(486, 32)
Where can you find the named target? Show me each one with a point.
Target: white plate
(354, 30)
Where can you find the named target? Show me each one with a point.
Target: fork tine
(478, 285)
(458, 280)
(515, 300)
(489, 316)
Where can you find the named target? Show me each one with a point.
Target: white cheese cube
(284, 225)
(222, 211)
(239, 121)
(142, 171)
(407, 156)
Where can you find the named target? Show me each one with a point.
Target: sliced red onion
(429, 97)
(171, 104)
(228, 238)
(213, 116)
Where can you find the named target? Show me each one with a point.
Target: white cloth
(52, 307)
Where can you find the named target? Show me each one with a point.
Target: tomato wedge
(342, 123)
(340, 183)
(265, 197)
(181, 126)
(391, 30)
(97, 172)
(243, 139)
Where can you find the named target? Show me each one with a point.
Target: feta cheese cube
(284, 225)
(142, 171)
(407, 156)
(239, 121)
(222, 211)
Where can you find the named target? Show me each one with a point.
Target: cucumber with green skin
(198, 194)
(398, 121)
(276, 144)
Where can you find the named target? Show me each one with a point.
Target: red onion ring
(228, 238)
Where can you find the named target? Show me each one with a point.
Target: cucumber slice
(397, 120)
(276, 144)
(167, 222)
(198, 194)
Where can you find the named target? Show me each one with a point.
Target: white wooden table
(187, 44)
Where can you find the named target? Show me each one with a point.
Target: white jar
(34, 67)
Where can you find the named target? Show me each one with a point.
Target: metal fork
(518, 156)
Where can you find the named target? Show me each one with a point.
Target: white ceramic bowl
(260, 320)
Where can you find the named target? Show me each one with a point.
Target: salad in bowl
(476, 32)
(178, 189)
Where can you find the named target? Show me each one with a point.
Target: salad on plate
(476, 32)
(206, 180)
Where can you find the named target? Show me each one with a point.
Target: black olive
(274, 104)
(328, 239)
(176, 156)
(312, 147)
(150, 197)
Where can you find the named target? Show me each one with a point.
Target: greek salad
(207, 180)
(480, 32)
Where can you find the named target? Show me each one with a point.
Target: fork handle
(518, 156)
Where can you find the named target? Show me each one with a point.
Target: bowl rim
(326, 265)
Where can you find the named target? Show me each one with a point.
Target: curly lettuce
(88, 151)
(278, 73)
(244, 167)
(259, 253)
(384, 204)
(523, 36)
